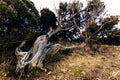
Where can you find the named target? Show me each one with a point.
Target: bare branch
(98, 30)
(77, 27)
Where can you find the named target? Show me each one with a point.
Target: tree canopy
(48, 19)
(18, 20)
(23, 11)
(89, 22)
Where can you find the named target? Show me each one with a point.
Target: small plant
(54, 57)
(79, 72)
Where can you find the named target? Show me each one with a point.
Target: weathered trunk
(35, 56)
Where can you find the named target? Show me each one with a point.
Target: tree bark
(35, 56)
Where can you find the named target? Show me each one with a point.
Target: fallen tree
(72, 18)
(41, 47)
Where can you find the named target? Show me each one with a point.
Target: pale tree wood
(41, 47)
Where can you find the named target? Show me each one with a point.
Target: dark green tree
(48, 19)
(89, 22)
(26, 15)
(113, 39)
(19, 19)
(7, 15)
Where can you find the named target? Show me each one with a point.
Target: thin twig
(20, 74)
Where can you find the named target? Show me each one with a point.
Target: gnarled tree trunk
(41, 47)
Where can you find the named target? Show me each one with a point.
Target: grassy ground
(103, 64)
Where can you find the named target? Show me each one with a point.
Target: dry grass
(78, 65)
(84, 66)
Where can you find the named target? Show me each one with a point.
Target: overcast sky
(111, 5)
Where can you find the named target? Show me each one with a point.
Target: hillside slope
(78, 65)
(103, 65)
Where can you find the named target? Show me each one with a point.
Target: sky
(112, 6)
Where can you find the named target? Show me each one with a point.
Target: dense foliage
(86, 23)
(48, 19)
(20, 20)
(113, 39)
